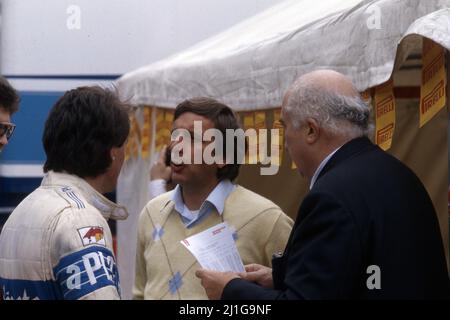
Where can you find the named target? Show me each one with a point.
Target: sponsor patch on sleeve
(92, 235)
(86, 271)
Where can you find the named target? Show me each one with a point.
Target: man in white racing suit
(57, 243)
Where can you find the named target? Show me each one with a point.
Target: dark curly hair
(223, 118)
(82, 127)
(9, 99)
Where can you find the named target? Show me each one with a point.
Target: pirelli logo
(432, 90)
(433, 97)
(385, 106)
(433, 68)
(384, 114)
(385, 134)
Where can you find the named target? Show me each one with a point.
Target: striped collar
(107, 208)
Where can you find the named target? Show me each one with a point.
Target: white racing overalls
(57, 243)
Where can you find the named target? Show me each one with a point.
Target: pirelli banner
(150, 130)
(432, 90)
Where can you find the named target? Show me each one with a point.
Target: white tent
(250, 66)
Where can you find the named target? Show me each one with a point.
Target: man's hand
(214, 281)
(159, 170)
(259, 274)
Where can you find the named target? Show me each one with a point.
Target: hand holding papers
(215, 249)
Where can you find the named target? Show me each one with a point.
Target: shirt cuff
(156, 187)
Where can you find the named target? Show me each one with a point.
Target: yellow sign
(384, 115)
(432, 90)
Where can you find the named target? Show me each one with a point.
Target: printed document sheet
(215, 249)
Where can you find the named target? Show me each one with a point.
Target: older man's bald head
(330, 98)
(328, 80)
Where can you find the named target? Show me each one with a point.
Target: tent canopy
(251, 65)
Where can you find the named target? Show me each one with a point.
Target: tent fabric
(251, 65)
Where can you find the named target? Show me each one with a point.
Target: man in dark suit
(366, 230)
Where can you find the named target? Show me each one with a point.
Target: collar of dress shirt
(321, 166)
(216, 198)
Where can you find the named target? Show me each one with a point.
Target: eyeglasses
(7, 129)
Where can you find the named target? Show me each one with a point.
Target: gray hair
(347, 116)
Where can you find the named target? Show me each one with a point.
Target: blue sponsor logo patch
(85, 271)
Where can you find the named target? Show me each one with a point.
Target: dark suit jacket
(366, 208)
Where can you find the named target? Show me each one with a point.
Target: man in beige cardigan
(205, 196)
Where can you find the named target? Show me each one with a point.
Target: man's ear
(113, 153)
(313, 130)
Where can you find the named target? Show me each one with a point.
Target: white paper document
(215, 249)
